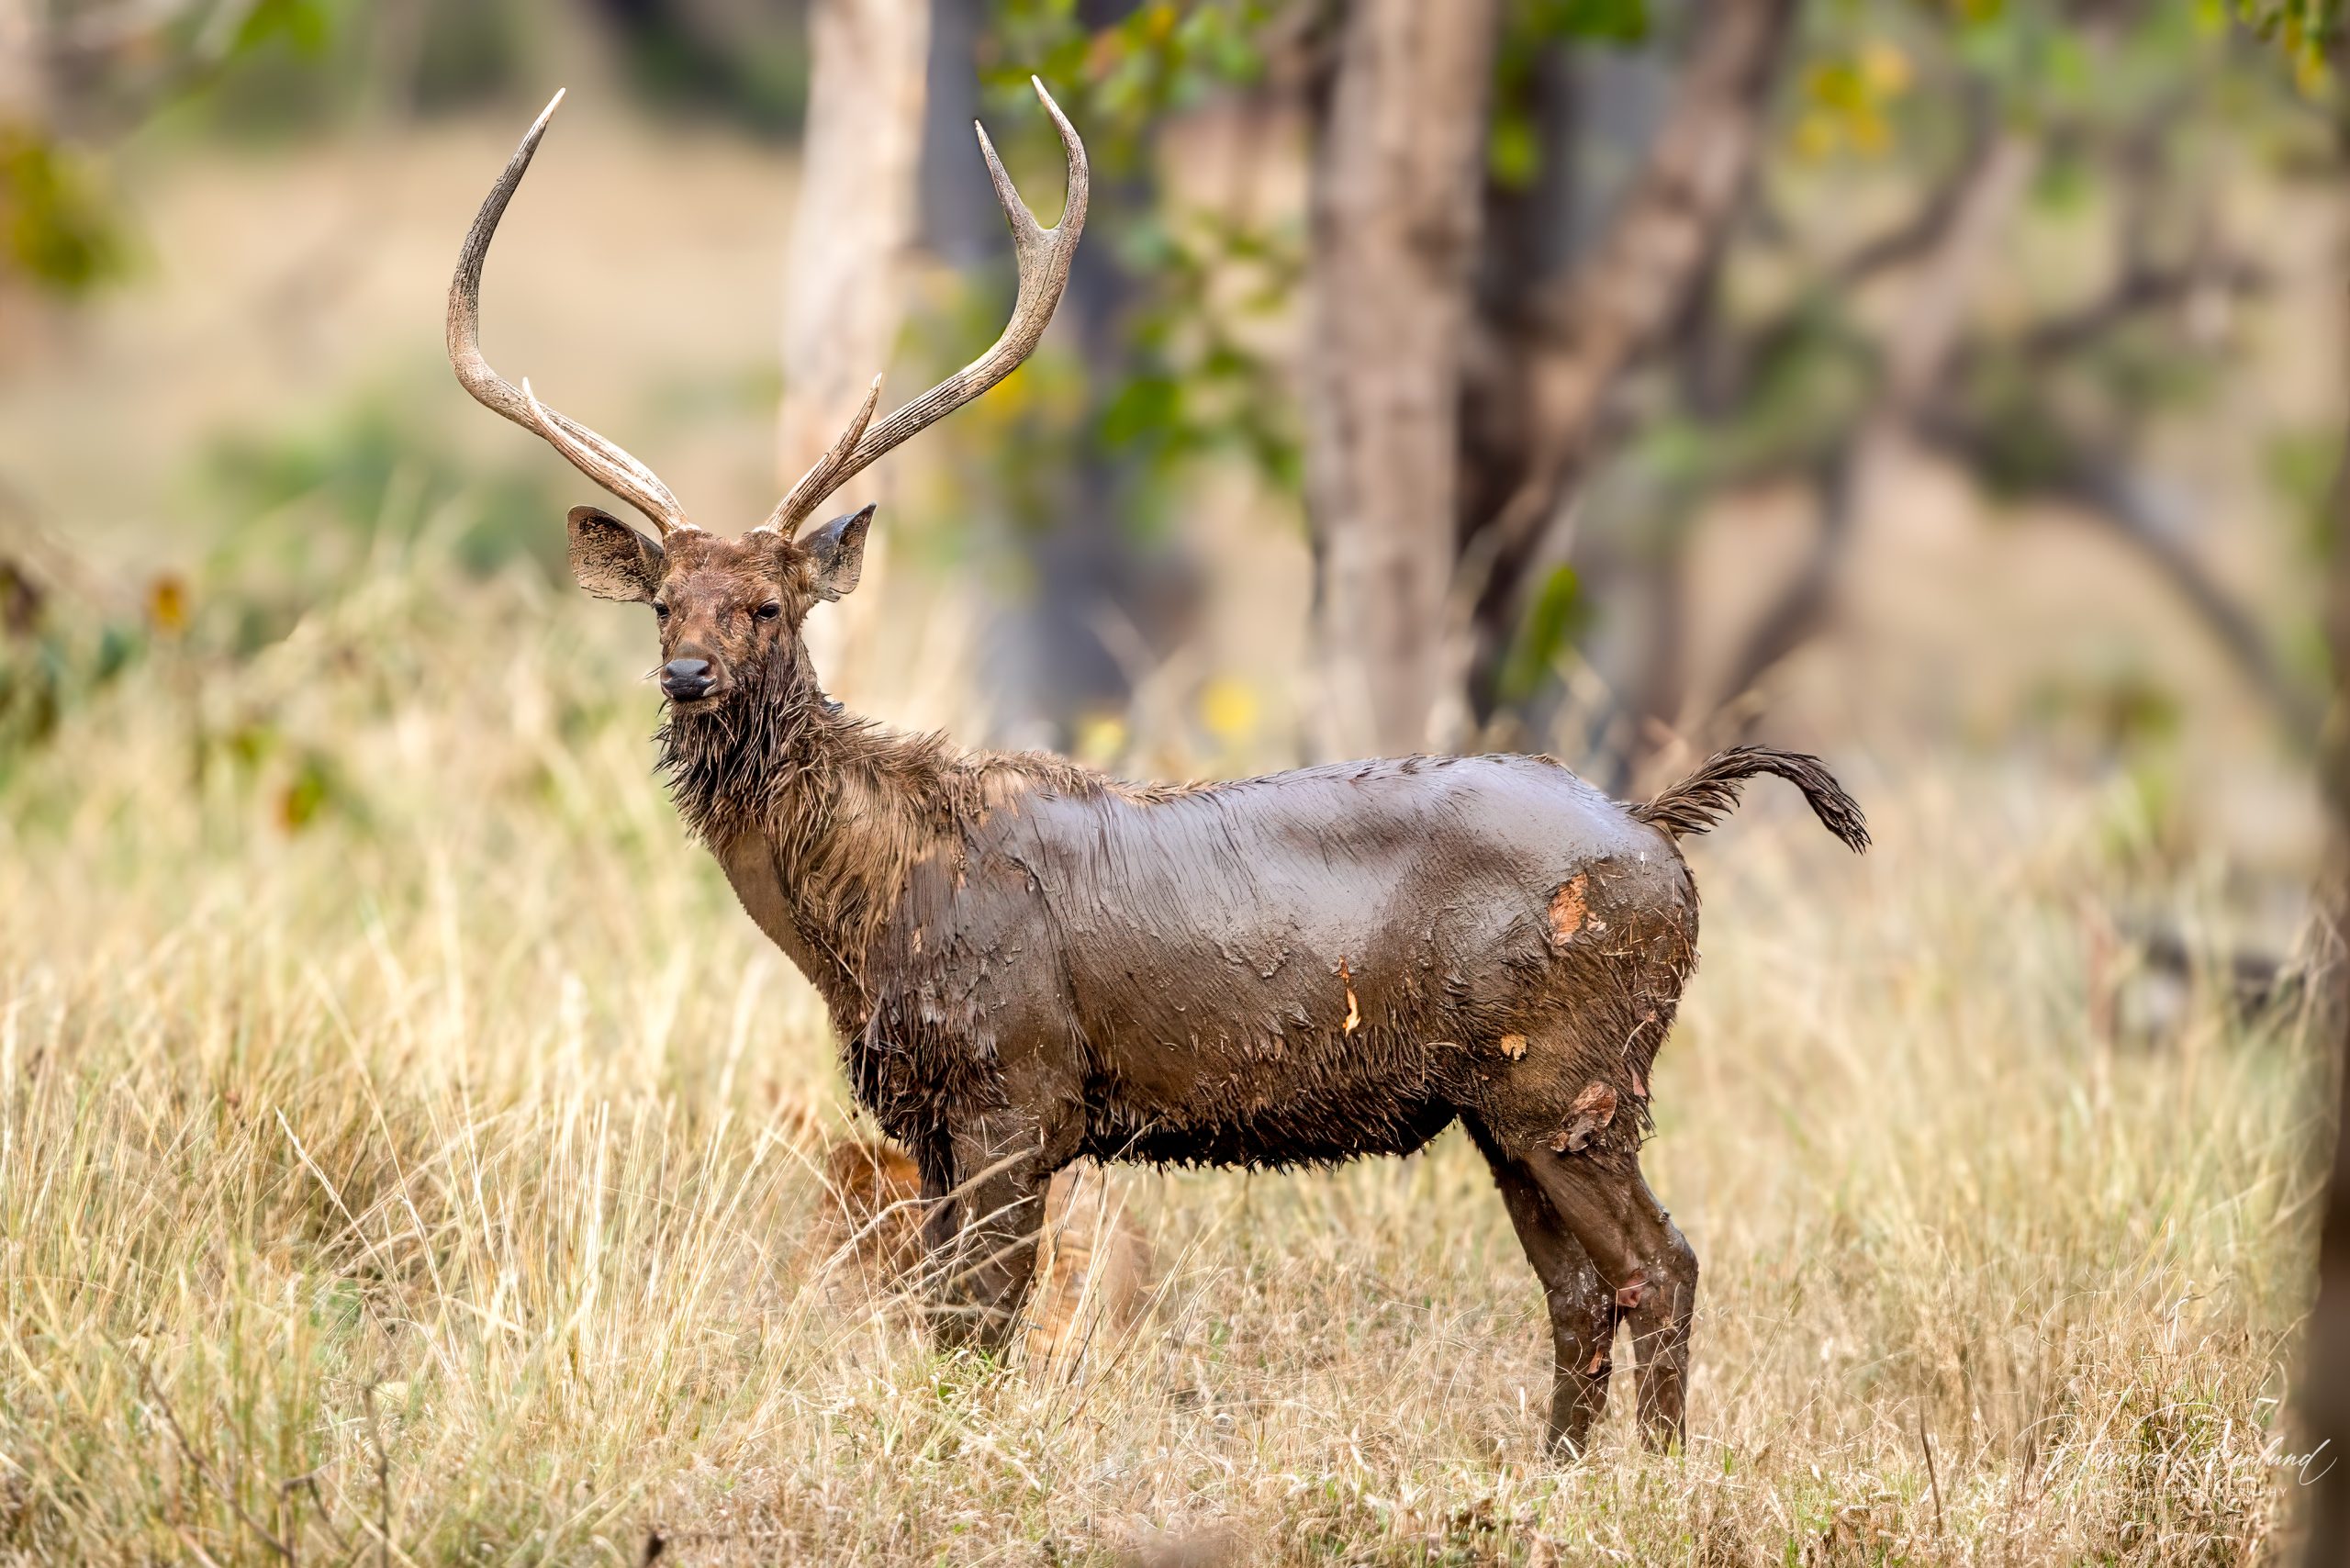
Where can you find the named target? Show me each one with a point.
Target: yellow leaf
(1886, 68)
(1815, 135)
(1228, 708)
(1101, 739)
(167, 604)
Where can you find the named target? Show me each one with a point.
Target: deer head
(731, 607)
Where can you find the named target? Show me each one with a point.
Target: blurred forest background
(1922, 376)
(1954, 388)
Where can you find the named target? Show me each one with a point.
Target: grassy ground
(396, 1158)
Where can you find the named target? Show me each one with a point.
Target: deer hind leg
(1582, 1306)
(989, 1205)
(1644, 1259)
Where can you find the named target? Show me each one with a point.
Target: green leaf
(1145, 407)
(306, 26)
(1512, 151)
(1598, 21)
(1558, 614)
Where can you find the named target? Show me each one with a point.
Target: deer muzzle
(687, 679)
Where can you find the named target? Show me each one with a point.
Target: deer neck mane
(817, 815)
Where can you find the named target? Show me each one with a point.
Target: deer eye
(660, 609)
(770, 611)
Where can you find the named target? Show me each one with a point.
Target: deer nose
(686, 677)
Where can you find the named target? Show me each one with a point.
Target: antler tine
(1043, 256)
(634, 483)
(823, 475)
(600, 459)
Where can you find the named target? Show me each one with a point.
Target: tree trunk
(24, 51)
(2325, 1377)
(859, 161)
(1396, 185)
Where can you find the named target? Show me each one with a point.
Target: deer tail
(1707, 795)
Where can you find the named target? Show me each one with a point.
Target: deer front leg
(983, 1229)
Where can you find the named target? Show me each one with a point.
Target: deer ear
(611, 559)
(838, 550)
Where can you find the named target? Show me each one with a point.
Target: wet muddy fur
(1028, 961)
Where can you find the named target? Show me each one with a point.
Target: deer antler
(1043, 255)
(601, 461)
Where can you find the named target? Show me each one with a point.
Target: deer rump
(1300, 969)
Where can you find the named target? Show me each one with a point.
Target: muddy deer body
(1028, 961)
(1304, 968)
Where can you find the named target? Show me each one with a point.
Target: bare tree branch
(1802, 607)
(1922, 346)
(1924, 232)
(1638, 280)
(2149, 520)
(2140, 287)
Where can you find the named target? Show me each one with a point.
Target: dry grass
(419, 1186)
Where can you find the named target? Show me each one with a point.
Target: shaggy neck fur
(846, 807)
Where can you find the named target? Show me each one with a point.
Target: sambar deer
(1028, 961)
